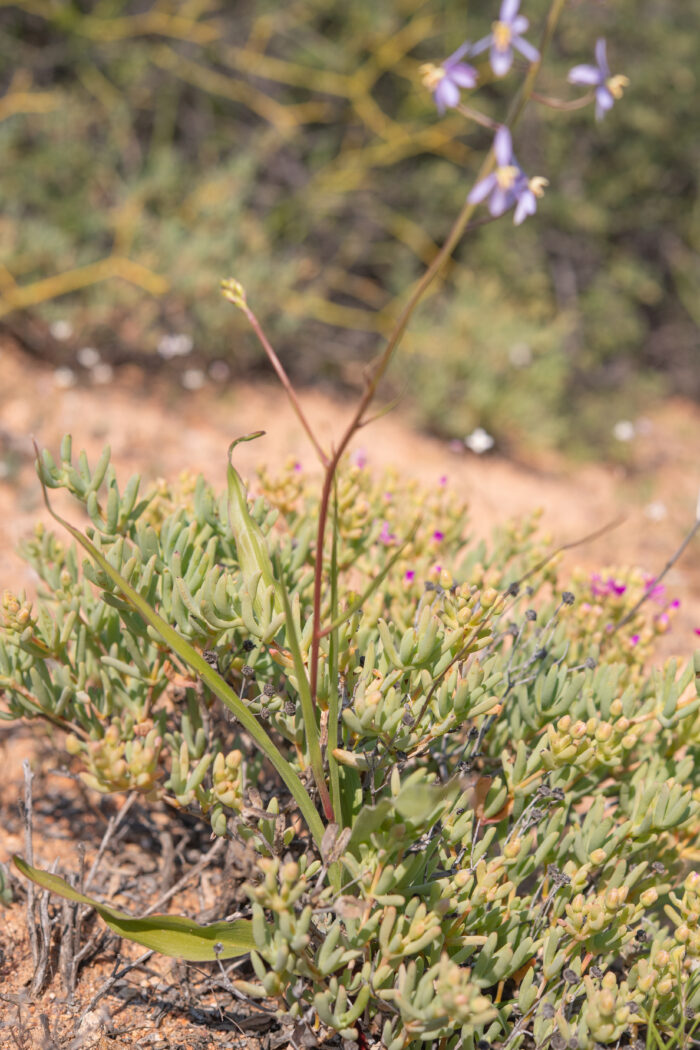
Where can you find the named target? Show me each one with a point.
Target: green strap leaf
(251, 546)
(197, 663)
(168, 934)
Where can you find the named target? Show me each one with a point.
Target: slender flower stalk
(375, 376)
(235, 293)
(376, 373)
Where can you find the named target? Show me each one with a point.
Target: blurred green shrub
(152, 148)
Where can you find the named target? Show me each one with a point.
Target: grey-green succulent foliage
(514, 796)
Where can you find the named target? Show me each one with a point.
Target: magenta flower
(410, 576)
(607, 87)
(657, 591)
(386, 536)
(506, 35)
(602, 588)
(438, 536)
(508, 185)
(446, 81)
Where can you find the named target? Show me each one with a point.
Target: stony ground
(157, 428)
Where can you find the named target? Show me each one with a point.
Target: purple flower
(410, 576)
(607, 87)
(505, 35)
(446, 80)
(508, 185)
(438, 536)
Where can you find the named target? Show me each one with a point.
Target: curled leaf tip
(246, 437)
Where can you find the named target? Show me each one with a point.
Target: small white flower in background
(193, 379)
(219, 371)
(520, 355)
(624, 430)
(102, 373)
(479, 441)
(656, 511)
(359, 458)
(175, 346)
(64, 377)
(61, 330)
(87, 356)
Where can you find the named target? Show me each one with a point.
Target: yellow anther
(506, 176)
(431, 75)
(537, 184)
(616, 85)
(502, 35)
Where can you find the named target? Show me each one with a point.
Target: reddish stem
(285, 381)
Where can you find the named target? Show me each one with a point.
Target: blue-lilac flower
(505, 36)
(508, 185)
(607, 88)
(445, 81)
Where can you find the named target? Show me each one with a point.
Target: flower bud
(488, 597)
(606, 1002)
(290, 872)
(73, 745)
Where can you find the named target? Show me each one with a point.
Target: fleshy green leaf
(168, 934)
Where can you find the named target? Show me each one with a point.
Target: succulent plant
(515, 802)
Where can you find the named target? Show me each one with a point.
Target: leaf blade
(171, 935)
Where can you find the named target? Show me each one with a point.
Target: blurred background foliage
(151, 148)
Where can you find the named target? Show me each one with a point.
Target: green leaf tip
(172, 935)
